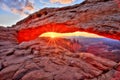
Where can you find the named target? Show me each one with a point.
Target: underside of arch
(33, 33)
(101, 17)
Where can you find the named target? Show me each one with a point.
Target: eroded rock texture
(96, 16)
(8, 38)
(36, 60)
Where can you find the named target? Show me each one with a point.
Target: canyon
(26, 56)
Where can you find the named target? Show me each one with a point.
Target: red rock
(33, 59)
(97, 61)
(96, 16)
(8, 34)
(7, 72)
(36, 75)
(15, 60)
(116, 76)
(7, 52)
(22, 52)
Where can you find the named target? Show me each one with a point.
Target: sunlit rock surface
(96, 16)
(35, 59)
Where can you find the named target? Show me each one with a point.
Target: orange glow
(36, 31)
(55, 35)
(32, 33)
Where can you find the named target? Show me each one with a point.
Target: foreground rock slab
(50, 62)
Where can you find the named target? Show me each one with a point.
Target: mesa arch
(19, 61)
(96, 16)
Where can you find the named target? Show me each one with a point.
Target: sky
(12, 11)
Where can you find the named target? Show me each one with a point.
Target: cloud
(62, 1)
(57, 1)
(44, 2)
(26, 7)
(17, 6)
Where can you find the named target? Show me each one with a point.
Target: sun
(51, 35)
(54, 37)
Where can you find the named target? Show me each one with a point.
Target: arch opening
(69, 34)
(60, 29)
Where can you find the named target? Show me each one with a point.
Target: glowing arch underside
(32, 33)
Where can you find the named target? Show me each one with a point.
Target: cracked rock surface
(35, 60)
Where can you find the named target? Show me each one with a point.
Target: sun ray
(58, 35)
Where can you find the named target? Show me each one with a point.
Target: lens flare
(51, 34)
(54, 38)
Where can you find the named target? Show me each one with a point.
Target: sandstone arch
(33, 60)
(97, 16)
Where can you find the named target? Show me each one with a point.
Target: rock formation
(35, 60)
(24, 56)
(97, 16)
